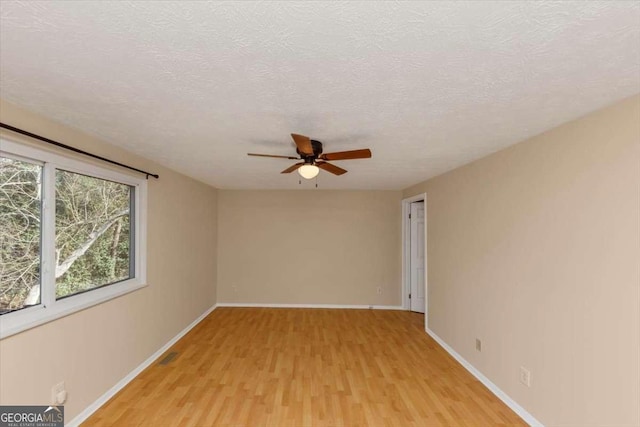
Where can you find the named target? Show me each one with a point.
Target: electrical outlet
(525, 376)
(478, 344)
(379, 290)
(58, 394)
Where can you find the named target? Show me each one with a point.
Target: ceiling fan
(313, 159)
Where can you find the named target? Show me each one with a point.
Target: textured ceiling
(427, 86)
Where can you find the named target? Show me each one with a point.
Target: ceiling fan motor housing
(317, 150)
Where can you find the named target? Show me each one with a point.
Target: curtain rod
(75, 150)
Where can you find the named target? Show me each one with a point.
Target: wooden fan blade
(292, 168)
(273, 155)
(303, 143)
(347, 155)
(331, 168)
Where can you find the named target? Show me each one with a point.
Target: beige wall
(94, 349)
(309, 247)
(535, 250)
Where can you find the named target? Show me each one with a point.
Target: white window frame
(49, 308)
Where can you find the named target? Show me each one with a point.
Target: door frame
(406, 251)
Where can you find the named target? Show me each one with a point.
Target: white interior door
(417, 257)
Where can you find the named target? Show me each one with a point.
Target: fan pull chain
(316, 181)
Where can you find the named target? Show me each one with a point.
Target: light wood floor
(304, 367)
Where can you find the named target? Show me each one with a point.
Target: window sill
(20, 321)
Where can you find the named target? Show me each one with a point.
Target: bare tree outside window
(93, 233)
(20, 230)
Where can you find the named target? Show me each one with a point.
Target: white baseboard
(348, 306)
(515, 407)
(82, 416)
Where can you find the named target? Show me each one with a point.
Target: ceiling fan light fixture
(308, 171)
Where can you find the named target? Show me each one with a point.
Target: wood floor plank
(306, 367)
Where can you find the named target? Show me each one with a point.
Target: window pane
(93, 233)
(20, 217)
